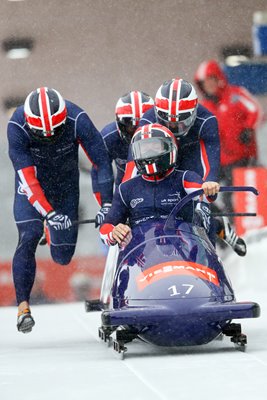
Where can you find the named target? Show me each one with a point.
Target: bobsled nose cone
(152, 315)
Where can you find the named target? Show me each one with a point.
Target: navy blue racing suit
(198, 151)
(46, 179)
(117, 149)
(143, 199)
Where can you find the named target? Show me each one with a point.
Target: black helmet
(45, 112)
(176, 106)
(154, 149)
(129, 110)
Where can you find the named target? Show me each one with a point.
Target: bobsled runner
(168, 287)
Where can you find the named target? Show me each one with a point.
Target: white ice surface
(63, 358)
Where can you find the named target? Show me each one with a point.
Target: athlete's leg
(225, 232)
(63, 242)
(30, 227)
(24, 264)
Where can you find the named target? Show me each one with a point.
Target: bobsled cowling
(171, 288)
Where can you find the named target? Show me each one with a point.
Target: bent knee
(62, 261)
(62, 256)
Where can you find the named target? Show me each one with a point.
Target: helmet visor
(127, 127)
(151, 148)
(181, 124)
(47, 137)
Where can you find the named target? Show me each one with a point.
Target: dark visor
(151, 147)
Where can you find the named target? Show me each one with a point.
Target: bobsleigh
(168, 287)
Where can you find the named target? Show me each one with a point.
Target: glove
(101, 215)
(58, 221)
(202, 215)
(246, 136)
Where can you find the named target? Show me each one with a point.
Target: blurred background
(92, 52)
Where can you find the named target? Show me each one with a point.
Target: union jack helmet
(45, 112)
(176, 106)
(129, 110)
(154, 149)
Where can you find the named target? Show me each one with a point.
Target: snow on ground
(63, 358)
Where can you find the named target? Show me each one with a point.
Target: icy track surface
(63, 359)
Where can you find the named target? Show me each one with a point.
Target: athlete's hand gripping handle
(58, 221)
(101, 215)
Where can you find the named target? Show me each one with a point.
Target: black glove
(246, 136)
(58, 221)
(101, 215)
(202, 215)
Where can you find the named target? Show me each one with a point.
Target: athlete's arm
(22, 161)
(93, 145)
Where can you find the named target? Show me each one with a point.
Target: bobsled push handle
(239, 189)
(199, 192)
(84, 221)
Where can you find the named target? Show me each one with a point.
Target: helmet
(211, 69)
(129, 110)
(154, 149)
(176, 106)
(45, 112)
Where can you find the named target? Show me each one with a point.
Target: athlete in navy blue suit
(153, 194)
(118, 134)
(44, 137)
(177, 108)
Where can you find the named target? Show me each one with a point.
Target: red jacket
(236, 109)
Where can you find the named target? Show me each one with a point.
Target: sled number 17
(176, 293)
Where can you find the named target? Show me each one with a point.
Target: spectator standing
(238, 114)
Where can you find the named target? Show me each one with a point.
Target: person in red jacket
(238, 114)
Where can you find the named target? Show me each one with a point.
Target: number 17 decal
(174, 291)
